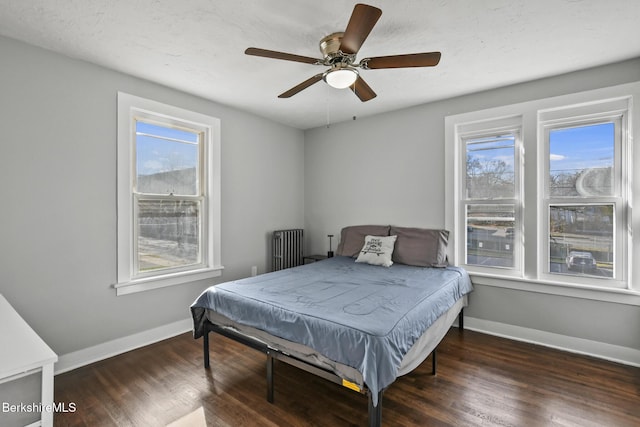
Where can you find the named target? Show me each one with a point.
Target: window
(491, 199)
(540, 192)
(585, 197)
(168, 195)
(490, 190)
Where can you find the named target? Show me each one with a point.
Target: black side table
(313, 258)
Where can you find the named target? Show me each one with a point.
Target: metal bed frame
(375, 412)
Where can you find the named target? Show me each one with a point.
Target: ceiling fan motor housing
(330, 48)
(330, 44)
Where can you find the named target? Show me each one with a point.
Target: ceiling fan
(339, 51)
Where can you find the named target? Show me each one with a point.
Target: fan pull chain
(327, 104)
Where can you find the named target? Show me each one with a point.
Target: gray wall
(389, 169)
(58, 215)
(58, 192)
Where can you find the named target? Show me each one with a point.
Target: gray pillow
(352, 238)
(420, 247)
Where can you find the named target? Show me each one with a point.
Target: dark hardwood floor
(481, 381)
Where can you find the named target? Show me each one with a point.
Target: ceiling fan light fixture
(340, 77)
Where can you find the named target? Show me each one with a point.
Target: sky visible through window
(579, 148)
(572, 150)
(164, 149)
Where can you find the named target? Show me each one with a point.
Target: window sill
(156, 282)
(614, 295)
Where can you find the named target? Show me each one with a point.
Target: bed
(360, 319)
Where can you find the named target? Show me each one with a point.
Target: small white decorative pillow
(377, 250)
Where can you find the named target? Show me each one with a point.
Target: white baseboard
(614, 353)
(76, 359)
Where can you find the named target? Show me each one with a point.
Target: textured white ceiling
(197, 46)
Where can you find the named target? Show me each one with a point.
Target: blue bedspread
(360, 315)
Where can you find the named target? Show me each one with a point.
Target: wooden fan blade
(281, 55)
(363, 19)
(429, 59)
(362, 90)
(305, 84)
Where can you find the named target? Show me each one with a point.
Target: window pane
(168, 234)
(166, 160)
(581, 240)
(581, 161)
(490, 167)
(490, 231)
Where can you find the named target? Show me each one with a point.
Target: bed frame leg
(461, 319)
(205, 347)
(434, 360)
(375, 412)
(269, 377)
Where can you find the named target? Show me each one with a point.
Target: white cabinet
(24, 356)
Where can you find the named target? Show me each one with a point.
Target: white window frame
(531, 277)
(615, 110)
(130, 109)
(464, 131)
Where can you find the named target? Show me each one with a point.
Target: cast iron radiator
(288, 248)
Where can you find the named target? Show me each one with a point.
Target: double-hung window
(168, 195)
(585, 193)
(490, 188)
(540, 192)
